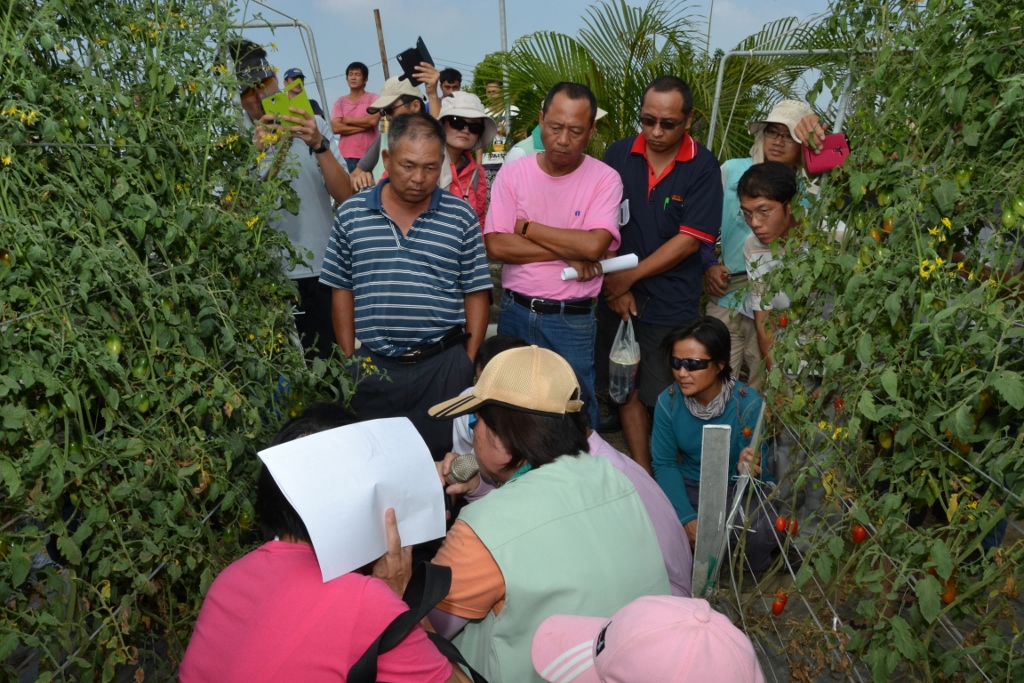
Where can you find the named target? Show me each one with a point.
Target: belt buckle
(532, 302)
(411, 356)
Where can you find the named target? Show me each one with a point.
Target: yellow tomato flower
(933, 231)
(947, 223)
(6, 160)
(939, 261)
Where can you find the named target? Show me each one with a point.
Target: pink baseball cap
(654, 638)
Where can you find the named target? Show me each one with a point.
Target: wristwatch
(325, 145)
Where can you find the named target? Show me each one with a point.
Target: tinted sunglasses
(690, 364)
(651, 122)
(476, 127)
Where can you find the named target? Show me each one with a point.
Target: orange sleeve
(477, 583)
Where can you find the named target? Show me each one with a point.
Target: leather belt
(455, 336)
(549, 306)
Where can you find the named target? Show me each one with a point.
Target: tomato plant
(136, 297)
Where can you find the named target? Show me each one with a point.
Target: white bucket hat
(788, 113)
(468, 106)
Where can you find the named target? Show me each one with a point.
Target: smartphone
(411, 58)
(280, 104)
(834, 151)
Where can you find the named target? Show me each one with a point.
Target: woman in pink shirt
(356, 127)
(467, 128)
(269, 616)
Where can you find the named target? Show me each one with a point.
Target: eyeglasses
(775, 134)
(666, 125)
(476, 127)
(762, 214)
(392, 110)
(691, 364)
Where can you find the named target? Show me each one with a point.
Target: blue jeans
(570, 336)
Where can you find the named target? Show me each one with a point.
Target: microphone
(463, 469)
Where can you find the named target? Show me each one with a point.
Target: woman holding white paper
(269, 616)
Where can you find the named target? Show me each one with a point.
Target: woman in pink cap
(655, 638)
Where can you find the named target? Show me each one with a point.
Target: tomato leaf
(940, 556)
(1010, 387)
(889, 382)
(927, 591)
(904, 639)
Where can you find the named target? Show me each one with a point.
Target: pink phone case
(833, 153)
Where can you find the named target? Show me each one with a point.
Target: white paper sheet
(612, 265)
(341, 481)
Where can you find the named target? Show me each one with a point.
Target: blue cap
(294, 73)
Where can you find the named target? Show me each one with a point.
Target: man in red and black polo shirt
(672, 202)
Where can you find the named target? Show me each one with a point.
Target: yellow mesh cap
(528, 378)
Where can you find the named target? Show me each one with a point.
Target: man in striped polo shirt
(410, 280)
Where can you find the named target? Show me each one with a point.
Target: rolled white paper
(612, 265)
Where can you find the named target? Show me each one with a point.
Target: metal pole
(380, 40)
(314, 61)
(504, 70)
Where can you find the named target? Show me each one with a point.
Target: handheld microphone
(463, 469)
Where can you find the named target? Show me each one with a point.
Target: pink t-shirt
(354, 146)
(270, 617)
(586, 199)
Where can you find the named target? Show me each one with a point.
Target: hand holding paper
(342, 481)
(612, 265)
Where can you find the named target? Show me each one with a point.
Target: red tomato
(781, 595)
(838, 403)
(780, 524)
(778, 606)
(859, 534)
(794, 526)
(950, 594)
(746, 432)
(783, 320)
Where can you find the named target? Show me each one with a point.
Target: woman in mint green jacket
(705, 393)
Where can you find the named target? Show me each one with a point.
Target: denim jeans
(570, 336)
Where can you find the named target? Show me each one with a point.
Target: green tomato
(141, 368)
(143, 404)
(114, 345)
(245, 521)
(103, 151)
(5, 257)
(1009, 218)
(228, 536)
(962, 176)
(1018, 205)
(884, 197)
(120, 141)
(158, 175)
(82, 123)
(75, 448)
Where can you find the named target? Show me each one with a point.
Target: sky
(458, 33)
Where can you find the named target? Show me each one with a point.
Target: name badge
(624, 212)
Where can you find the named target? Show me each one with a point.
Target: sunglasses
(475, 127)
(392, 110)
(690, 364)
(666, 125)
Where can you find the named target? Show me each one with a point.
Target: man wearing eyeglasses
(672, 203)
(321, 176)
(777, 138)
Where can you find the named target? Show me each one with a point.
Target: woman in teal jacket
(706, 393)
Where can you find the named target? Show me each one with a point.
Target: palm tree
(622, 48)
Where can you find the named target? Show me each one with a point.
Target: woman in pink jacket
(467, 128)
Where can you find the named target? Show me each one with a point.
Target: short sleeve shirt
(760, 262)
(409, 289)
(686, 198)
(354, 146)
(586, 199)
(270, 617)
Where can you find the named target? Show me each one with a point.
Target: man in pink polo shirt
(356, 127)
(556, 209)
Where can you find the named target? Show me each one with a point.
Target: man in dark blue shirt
(672, 202)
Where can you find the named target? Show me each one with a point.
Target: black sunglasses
(691, 364)
(458, 123)
(667, 126)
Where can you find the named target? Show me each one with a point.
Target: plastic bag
(623, 363)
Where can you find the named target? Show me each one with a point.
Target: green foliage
(914, 324)
(623, 48)
(145, 327)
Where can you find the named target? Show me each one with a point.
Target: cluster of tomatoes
(1013, 210)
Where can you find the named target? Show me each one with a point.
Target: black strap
(428, 585)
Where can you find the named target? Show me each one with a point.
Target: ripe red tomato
(887, 224)
(950, 594)
(794, 526)
(838, 403)
(777, 606)
(746, 432)
(859, 534)
(781, 523)
(783, 320)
